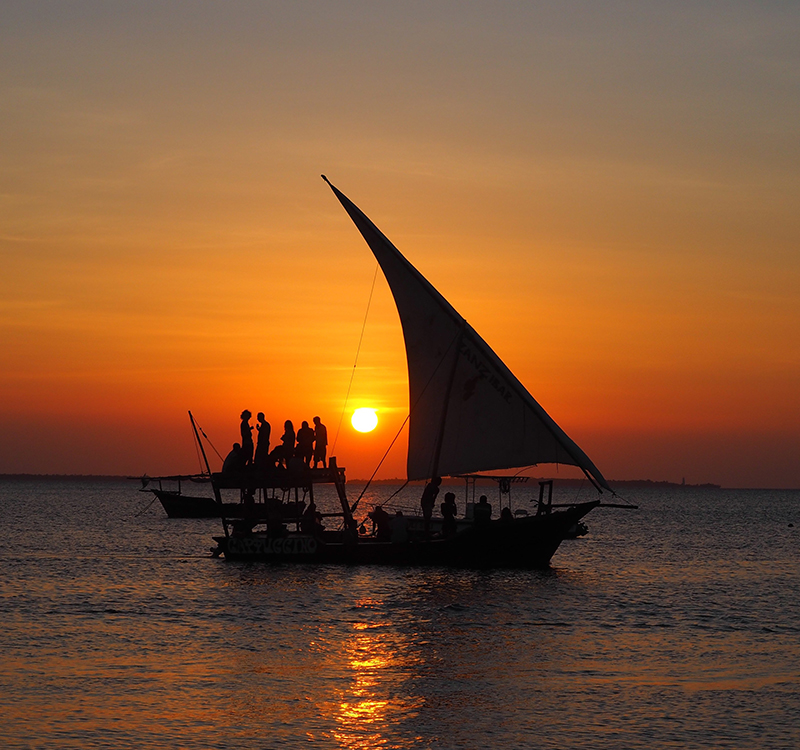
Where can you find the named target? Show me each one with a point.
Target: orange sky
(608, 194)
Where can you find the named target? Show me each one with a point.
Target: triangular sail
(468, 411)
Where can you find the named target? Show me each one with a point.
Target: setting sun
(364, 420)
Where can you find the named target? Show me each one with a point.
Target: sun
(364, 420)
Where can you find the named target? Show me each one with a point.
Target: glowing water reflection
(378, 700)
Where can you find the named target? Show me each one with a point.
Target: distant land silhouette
(557, 482)
(67, 477)
(635, 483)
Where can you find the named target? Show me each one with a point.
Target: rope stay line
(208, 439)
(380, 463)
(146, 507)
(355, 363)
(405, 421)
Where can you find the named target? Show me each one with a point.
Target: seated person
(285, 451)
(295, 464)
(482, 512)
(235, 461)
(311, 520)
(351, 531)
(506, 515)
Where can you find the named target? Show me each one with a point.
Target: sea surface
(676, 625)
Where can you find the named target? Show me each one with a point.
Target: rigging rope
(203, 433)
(395, 494)
(358, 351)
(624, 500)
(410, 411)
(146, 507)
(366, 486)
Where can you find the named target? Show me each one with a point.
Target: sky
(608, 192)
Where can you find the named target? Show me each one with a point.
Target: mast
(338, 481)
(205, 457)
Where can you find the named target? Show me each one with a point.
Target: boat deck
(277, 478)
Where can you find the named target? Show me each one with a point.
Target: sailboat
(467, 414)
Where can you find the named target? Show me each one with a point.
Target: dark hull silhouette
(248, 484)
(178, 505)
(528, 542)
(185, 506)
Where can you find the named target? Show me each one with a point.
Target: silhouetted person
(275, 527)
(482, 512)
(305, 443)
(381, 521)
(284, 452)
(295, 465)
(234, 461)
(311, 520)
(261, 459)
(506, 515)
(320, 443)
(428, 501)
(247, 437)
(351, 531)
(399, 528)
(448, 508)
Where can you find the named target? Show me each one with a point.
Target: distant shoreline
(532, 481)
(67, 477)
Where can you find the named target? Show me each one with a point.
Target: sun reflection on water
(380, 667)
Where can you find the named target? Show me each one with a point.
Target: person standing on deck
(261, 459)
(428, 501)
(247, 437)
(320, 443)
(305, 443)
(448, 509)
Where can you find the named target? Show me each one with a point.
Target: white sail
(468, 412)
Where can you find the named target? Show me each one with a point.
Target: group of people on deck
(307, 445)
(482, 511)
(393, 528)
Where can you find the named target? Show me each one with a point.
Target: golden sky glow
(607, 192)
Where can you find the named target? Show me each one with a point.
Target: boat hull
(186, 506)
(523, 543)
(177, 505)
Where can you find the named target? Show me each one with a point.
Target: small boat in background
(178, 505)
(257, 492)
(175, 503)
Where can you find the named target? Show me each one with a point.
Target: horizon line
(400, 480)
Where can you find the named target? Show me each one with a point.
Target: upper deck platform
(253, 478)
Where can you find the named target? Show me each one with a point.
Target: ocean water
(673, 626)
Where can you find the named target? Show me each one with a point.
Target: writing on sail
(484, 373)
